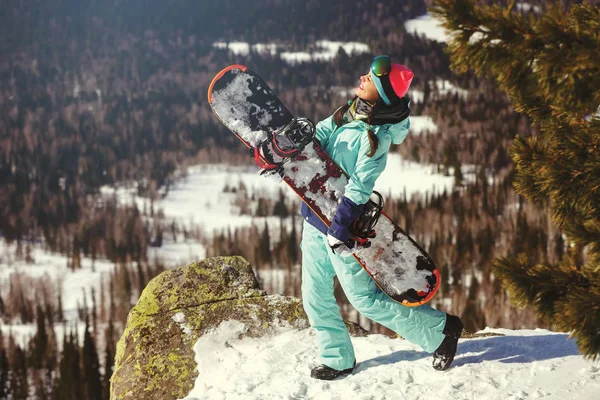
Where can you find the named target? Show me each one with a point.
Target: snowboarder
(358, 137)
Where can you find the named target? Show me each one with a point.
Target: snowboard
(247, 106)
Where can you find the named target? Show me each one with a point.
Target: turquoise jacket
(349, 147)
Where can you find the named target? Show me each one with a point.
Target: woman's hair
(338, 118)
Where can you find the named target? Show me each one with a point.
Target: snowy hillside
(498, 367)
(322, 50)
(190, 204)
(428, 27)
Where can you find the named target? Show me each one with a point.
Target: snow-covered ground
(431, 28)
(50, 272)
(439, 88)
(22, 333)
(326, 50)
(428, 27)
(524, 364)
(444, 87)
(199, 200)
(422, 123)
(323, 50)
(407, 177)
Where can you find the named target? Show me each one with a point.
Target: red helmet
(391, 80)
(400, 79)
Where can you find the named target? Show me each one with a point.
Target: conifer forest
(100, 93)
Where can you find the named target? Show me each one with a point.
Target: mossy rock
(155, 358)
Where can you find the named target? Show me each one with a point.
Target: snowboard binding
(363, 228)
(283, 145)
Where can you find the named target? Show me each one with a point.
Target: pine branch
(545, 64)
(566, 296)
(580, 313)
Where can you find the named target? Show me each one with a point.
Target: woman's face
(366, 89)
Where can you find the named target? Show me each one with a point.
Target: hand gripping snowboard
(280, 143)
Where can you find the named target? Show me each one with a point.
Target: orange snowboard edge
(220, 74)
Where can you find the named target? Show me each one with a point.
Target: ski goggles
(381, 65)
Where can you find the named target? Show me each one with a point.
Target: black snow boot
(327, 373)
(444, 355)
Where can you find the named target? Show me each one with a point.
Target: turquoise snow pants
(422, 325)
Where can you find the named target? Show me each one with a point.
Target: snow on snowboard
(284, 145)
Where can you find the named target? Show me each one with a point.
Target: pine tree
(108, 360)
(265, 245)
(91, 366)
(39, 343)
(280, 209)
(59, 309)
(69, 383)
(19, 385)
(3, 374)
(548, 65)
(2, 307)
(3, 369)
(292, 245)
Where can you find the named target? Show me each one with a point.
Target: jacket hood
(399, 131)
(395, 116)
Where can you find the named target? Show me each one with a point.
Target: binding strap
(262, 161)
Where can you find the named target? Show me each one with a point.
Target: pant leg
(320, 305)
(422, 325)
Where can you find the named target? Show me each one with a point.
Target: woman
(358, 137)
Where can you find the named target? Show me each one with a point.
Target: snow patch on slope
(521, 365)
(428, 27)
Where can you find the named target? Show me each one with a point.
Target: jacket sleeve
(324, 129)
(360, 186)
(368, 169)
